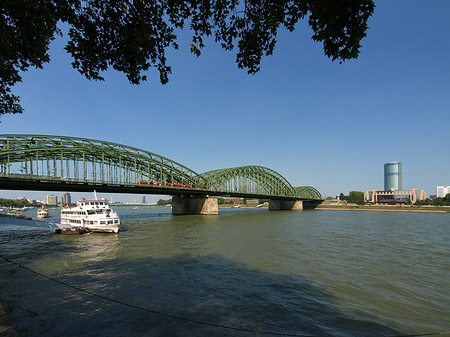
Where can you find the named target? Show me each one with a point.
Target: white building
(442, 191)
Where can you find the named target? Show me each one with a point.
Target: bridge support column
(195, 205)
(279, 205)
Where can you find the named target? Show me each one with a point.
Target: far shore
(348, 207)
(387, 208)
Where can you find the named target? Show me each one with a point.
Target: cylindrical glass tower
(393, 176)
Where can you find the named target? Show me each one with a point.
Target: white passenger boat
(43, 213)
(90, 215)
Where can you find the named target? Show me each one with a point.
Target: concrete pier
(281, 205)
(195, 205)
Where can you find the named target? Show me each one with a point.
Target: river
(319, 273)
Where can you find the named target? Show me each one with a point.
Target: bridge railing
(54, 179)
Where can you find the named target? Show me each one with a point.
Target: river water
(320, 273)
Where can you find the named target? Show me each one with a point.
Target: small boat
(90, 216)
(43, 213)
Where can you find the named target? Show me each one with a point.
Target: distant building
(393, 193)
(394, 197)
(393, 176)
(52, 200)
(252, 202)
(442, 191)
(238, 201)
(66, 199)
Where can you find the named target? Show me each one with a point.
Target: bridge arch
(88, 160)
(307, 192)
(45, 161)
(249, 180)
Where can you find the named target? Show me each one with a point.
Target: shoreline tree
(354, 197)
(131, 36)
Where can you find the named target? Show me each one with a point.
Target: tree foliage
(162, 202)
(13, 203)
(354, 197)
(444, 201)
(132, 36)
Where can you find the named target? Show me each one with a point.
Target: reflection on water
(313, 273)
(79, 251)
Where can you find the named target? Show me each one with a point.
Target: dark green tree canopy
(133, 35)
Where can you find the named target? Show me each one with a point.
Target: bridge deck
(73, 186)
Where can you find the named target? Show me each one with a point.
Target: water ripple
(324, 273)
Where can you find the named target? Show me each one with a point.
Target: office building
(237, 201)
(393, 193)
(393, 197)
(442, 191)
(66, 199)
(393, 176)
(52, 200)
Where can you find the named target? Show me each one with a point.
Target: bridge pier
(281, 205)
(194, 205)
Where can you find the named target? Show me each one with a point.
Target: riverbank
(387, 208)
(242, 206)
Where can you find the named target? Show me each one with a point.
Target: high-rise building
(393, 192)
(66, 199)
(52, 200)
(393, 176)
(442, 191)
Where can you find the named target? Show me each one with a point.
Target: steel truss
(82, 160)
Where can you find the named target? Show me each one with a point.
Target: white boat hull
(103, 229)
(93, 229)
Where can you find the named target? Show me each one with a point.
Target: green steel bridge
(56, 163)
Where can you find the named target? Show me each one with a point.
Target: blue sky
(316, 122)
